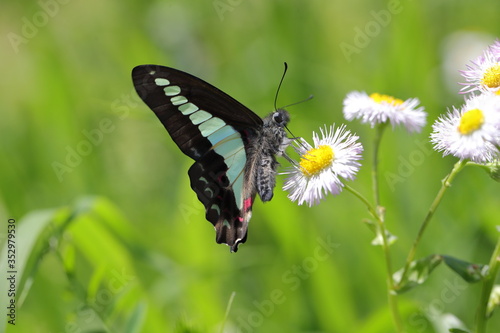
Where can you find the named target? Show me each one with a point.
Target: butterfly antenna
(293, 136)
(279, 85)
(275, 107)
(302, 101)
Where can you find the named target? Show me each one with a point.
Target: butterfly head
(279, 118)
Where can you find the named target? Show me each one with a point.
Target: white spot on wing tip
(162, 81)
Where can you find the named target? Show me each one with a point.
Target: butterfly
(233, 148)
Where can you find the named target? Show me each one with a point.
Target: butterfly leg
(289, 159)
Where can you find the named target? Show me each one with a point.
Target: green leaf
(135, 321)
(371, 225)
(34, 234)
(468, 271)
(458, 330)
(418, 272)
(378, 240)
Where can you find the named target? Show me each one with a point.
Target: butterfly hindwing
(216, 131)
(211, 183)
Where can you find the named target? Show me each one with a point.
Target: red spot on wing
(247, 204)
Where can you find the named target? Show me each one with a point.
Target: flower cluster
(334, 157)
(472, 132)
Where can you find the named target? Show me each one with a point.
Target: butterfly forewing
(178, 99)
(213, 129)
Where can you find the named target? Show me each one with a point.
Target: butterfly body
(272, 142)
(234, 149)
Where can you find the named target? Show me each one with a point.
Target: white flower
(334, 156)
(472, 132)
(483, 74)
(377, 109)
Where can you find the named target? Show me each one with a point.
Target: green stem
(376, 144)
(380, 217)
(488, 283)
(370, 208)
(391, 295)
(445, 183)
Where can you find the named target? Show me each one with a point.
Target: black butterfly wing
(173, 103)
(216, 131)
(230, 217)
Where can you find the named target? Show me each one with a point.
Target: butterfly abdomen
(266, 177)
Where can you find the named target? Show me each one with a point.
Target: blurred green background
(110, 237)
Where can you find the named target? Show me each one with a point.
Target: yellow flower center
(491, 77)
(316, 159)
(470, 121)
(381, 98)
